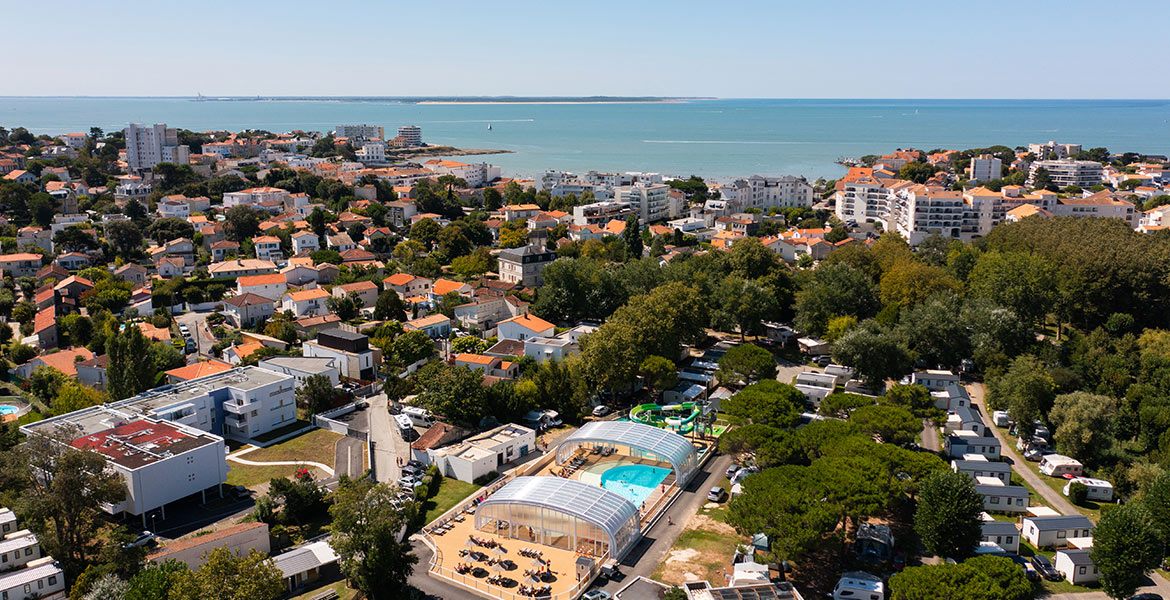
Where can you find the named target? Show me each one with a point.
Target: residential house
(442, 287)
(241, 267)
(236, 354)
(222, 249)
(305, 242)
(271, 285)
(247, 309)
(306, 303)
(976, 465)
(340, 242)
(407, 285)
(306, 564)
(45, 328)
(524, 265)
(35, 236)
(192, 551)
(523, 327)
(169, 267)
(367, 291)
(815, 386)
(268, 248)
(1055, 531)
(435, 326)
(487, 310)
(132, 273)
(92, 372)
(197, 370)
(21, 264)
(303, 367)
(934, 380)
(492, 366)
(968, 442)
(354, 356)
(73, 261)
(65, 361)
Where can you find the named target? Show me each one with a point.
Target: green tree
(316, 394)
(1022, 282)
(425, 231)
(1042, 180)
(389, 307)
(1126, 547)
(746, 363)
(874, 354)
(1083, 424)
(457, 393)
(910, 282)
(979, 578)
(345, 307)
(472, 266)
(300, 498)
(411, 347)
(889, 424)
(125, 237)
(45, 382)
(109, 587)
(1155, 498)
(154, 581)
(226, 575)
(468, 345)
(366, 522)
(947, 518)
(168, 228)
(1026, 390)
(834, 290)
(243, 222)
(632, 236)
(658, 373)
(125, 375)
(768, 402)
(840, 405)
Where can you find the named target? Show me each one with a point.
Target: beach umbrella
(531, 579)
(498, 568)
(470, 543)
(536, 562)
(498, 549)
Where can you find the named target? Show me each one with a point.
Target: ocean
(710, 138)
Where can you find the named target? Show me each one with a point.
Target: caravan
(420, 417)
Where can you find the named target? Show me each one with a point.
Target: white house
(435, 326)
(306, 303)
(305, 241)
(815, 386)
(965, 418)
(42, 579)
(1046, 532)
(976, 465)
(271, 286)
(493, 366)
(858, 585)
(544, 349)
(998, 497)
(247, 309)
(523, 327)
(1076, 565)
(355, 358)
(1099, 489)
(268, 247)
(18, 548)
(367, 291)
(241, 538)
(302, 367)
(934, 380)
(484, 453)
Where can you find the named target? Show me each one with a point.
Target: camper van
(420, 417)
(405, 425)
(1059, 465)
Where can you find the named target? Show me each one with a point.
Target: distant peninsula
(457, 99)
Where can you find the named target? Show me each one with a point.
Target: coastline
(566, 102)
(408, 153)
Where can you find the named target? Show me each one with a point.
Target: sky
(726, 49)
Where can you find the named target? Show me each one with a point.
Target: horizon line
(569, 97)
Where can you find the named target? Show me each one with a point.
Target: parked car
(717, 494)
(730, 472)
(601, 411)
(144, 539)
(416, 464)
(407, 481)
(412, 471)
(1146, 596)
(823, 360)
(1044, 566)
(1029, 571)
(596, 595)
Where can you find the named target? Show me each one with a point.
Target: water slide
(673, 416)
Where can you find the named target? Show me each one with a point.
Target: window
(1009, 539)
(995, 499)
(1060, 534)
(1081, 570)
(52, 580)
(28, 551)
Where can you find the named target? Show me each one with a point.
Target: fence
(324, 420)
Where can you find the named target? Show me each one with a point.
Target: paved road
(930, 436)
(1008, 450)
(388, 443)
(196, 322)
(347, 459)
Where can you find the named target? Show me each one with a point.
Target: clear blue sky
(726, 48)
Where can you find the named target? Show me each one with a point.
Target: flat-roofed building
(481, 454)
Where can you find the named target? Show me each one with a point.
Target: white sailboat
(489, 126)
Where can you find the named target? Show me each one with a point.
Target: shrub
(485, 479)
(1078, 493)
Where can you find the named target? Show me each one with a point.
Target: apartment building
(1045, 150)
(765, 192)
(363, 131)
(651, 200)
(148, 145)
(1103, 204)
(863, 196)
(600, 213)
(1065, 172)
(985, 167)
(411, 135)
(253, 196)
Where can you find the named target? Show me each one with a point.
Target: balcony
(238, 407)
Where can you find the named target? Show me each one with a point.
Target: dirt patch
(703, 551)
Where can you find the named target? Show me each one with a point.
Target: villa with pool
(548, 528)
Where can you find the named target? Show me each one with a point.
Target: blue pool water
(633, 482)
(7, 410)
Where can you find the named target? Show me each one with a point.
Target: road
(1008, 451)
(388, 443)
(196, 322)
(347, 459)
(930, 436)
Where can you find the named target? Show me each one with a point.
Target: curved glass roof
(597, 505)
(668, 445)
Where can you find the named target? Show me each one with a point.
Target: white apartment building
(481, 454)
(302, 368)
(411, 135)
(372, 152)
(766, 192)
(917, 211)
(985, 167)
(363, 131)
(600, 213)
(1065, 172)
(1104, 204)
(863, 197)
(652, 200)
(146, 146)
(524, 265)
(1043, 151)
(475, 175)
(253, 196)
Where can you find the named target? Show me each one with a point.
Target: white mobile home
(858, 585)
(815, 386)
(976, 465)
(998, 497)
(934, 380)
(1076, 566)
(968, 442)
(1001, 533)
(1046, 532)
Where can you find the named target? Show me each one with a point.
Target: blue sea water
(634, 482)
(711, 138)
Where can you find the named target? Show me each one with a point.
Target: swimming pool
(634, 482)
(6, 409)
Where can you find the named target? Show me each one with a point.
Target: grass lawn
(338, 587)
(248, 475)
(451, 492)
(316, 446)
(287, 429)
(701, 552)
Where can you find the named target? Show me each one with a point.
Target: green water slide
(679, 417)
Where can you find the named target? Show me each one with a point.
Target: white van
(1000, 417)
(421, 417)
(405, 425)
